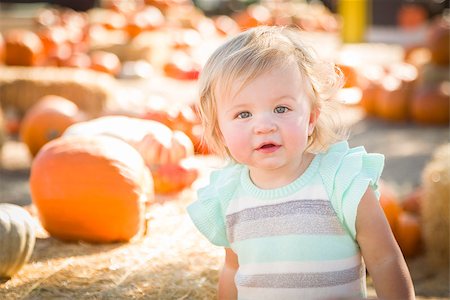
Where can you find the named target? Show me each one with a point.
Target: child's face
(266, 124)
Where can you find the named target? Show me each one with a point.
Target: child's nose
(264, 125)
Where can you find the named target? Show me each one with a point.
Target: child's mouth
(268, 148)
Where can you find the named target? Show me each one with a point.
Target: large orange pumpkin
(47, 120)
(90, 188)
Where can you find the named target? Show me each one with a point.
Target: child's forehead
(229, 85)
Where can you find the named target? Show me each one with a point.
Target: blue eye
(281, 109)
(244, 115)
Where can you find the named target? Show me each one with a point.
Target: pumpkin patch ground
(173, 261)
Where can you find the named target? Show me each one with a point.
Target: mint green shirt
(297, 241)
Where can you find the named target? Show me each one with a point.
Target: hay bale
(21, 87)
(173, 261)
(435, 207)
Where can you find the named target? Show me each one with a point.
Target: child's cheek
(237, 142)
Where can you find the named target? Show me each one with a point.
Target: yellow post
(354, 14)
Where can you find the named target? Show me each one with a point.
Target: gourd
(17, 238)
(90, 188)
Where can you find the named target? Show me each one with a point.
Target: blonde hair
(258, 50)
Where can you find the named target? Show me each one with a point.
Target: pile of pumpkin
(420, 220)
(94, 179)
(123, 37)
(416, 89)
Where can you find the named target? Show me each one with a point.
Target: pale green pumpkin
(17, 238)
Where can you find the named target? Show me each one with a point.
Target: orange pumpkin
(148, 18)
(55, 42)
(225, 25)
(438, 40)
(47, 120)
(173, 178)
(413, 201)
(392, 102)
(390, 204)
(90, 188)
(252, 16)
(407, 73)
(370, 83)
(181, 66)
(408, 234)
(77, 60)
(350, 75)
(106, 62)
(411, 16)
(431, 104)
(23, 48)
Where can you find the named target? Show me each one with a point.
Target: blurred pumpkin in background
(47, 120)
(370, 82)
(77, 60)
(23, 48)
(252, 16)
(411, 15)
(146, 19)
(56, 45)
(106, 62)
(225, 25)
(182, 66)
(438, 40)
(407, 73)
(431, 104)
(392, 102)
(350, 75)
(390, 204)
(90, 188)
(408, 233)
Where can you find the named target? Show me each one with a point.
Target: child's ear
(313, 117)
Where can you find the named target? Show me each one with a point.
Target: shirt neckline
(283, 191)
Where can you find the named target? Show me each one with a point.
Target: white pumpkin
(157, 143)
(17, 238)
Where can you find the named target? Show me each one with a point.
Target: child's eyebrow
(236, 107)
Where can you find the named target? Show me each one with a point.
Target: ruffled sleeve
(208, 212)
(347, 173)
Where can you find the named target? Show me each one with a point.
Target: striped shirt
(294, 242)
